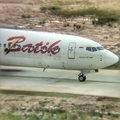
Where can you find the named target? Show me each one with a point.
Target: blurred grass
(52, 94)
(71, 9)
(58, 114)
(10, 116)
(98, 16)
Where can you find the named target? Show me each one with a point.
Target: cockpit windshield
(100, 48)
(93, 49)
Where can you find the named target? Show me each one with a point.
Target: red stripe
(81, 47)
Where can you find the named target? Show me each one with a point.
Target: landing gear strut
(81, 77)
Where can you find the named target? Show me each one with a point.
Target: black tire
(84, 78)
(81, 78)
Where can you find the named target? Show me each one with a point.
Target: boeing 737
(51, 50)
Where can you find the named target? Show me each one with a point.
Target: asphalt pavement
(104, 83)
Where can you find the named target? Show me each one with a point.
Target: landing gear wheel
(81, 78)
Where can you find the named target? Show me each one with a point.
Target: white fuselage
(51, 50)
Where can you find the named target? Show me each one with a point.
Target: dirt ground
(26, 14)
(106, 108)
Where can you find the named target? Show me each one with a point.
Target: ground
(44, 104)
(27, 15)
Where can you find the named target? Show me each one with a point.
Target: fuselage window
(19, 46)
(29, 47)
(23, 46)
(4, 45)
(8, 44)
(37, 48)
(0, 44)
(14, 46)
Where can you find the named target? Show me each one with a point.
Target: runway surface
(104, 83)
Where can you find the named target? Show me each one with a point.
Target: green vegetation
(71, 9)
(50, 8)
(10, 116)
(26, 16)
(42, 22)
(58, 114)
(52, 94)
(67, 2)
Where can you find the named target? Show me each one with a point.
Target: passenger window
(4, 45)
(19, 46)
(0, 45)
(88, 48)
(29, 47)
(14, 46)
(9, 45)
(37, 47)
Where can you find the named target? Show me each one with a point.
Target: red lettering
(27, 48)
(20, 39)
(38, 48)
(54, 49)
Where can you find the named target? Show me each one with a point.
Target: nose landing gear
(81, 77)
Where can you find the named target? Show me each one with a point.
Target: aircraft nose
(110, 58)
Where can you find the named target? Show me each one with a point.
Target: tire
(81, 78)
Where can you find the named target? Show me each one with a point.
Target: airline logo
(14, 45)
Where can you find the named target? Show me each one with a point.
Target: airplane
(53, 50)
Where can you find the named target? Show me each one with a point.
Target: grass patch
(66, 2)
(26, 16)
(10, 116)
(53, 111)
(98, 15)
(57, 115)
(53, 94)
(50, 8)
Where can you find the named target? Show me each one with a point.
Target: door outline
(71, 50)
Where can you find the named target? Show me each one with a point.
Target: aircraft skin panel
(49, 50)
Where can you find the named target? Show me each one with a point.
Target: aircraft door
(71, 50)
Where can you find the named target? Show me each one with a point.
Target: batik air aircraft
(51, 50)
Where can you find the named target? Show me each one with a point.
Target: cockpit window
(93, 49)
(100, 48)
(88, 48)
